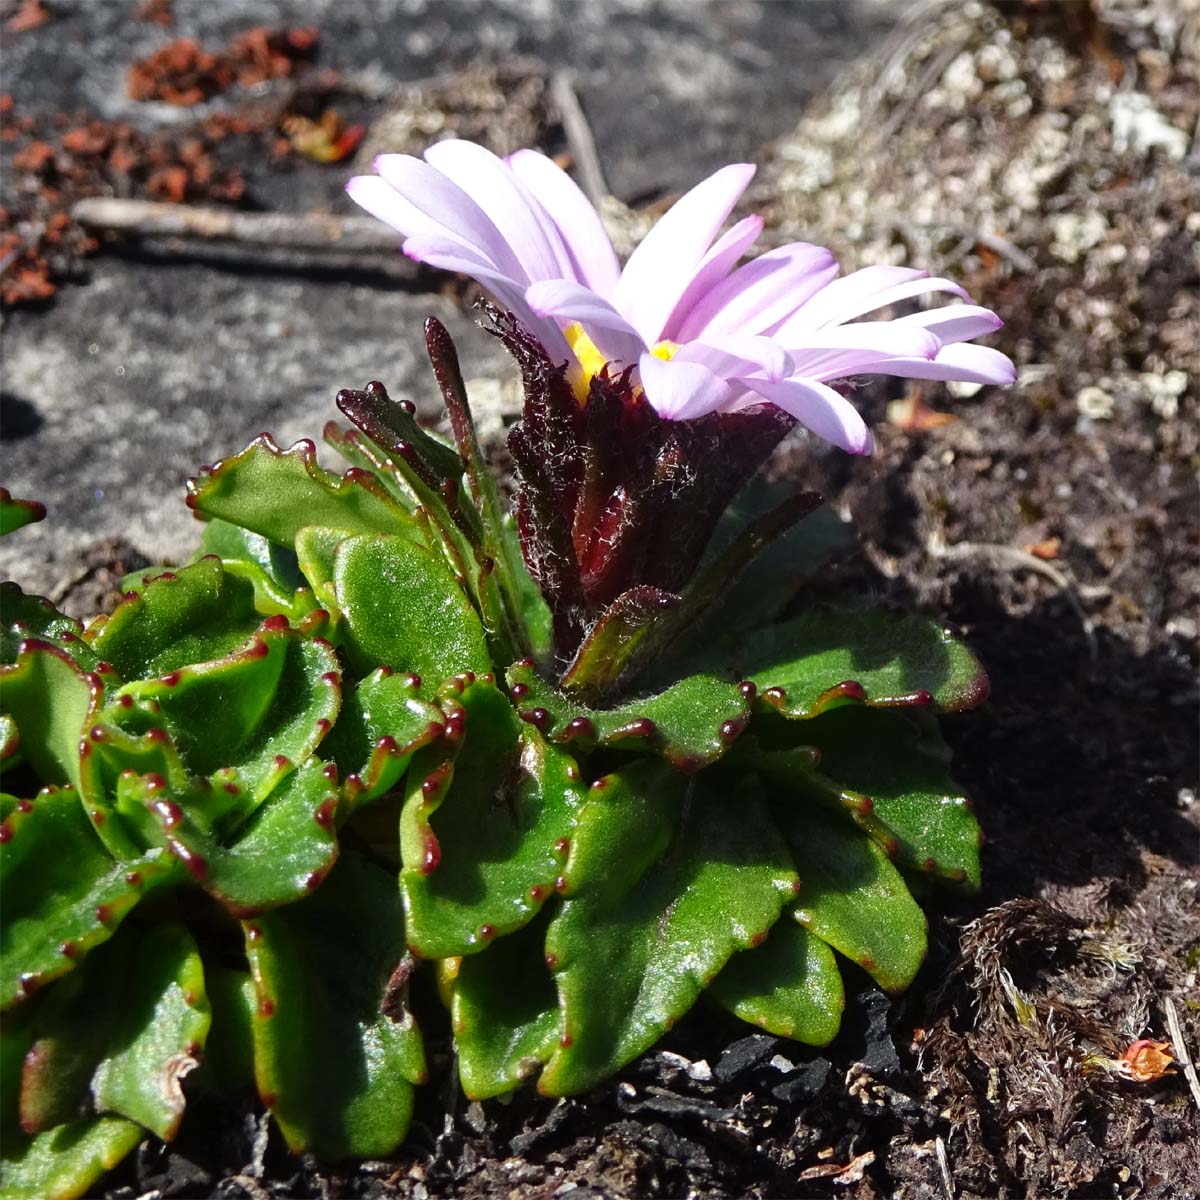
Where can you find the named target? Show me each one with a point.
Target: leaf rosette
(589, 766)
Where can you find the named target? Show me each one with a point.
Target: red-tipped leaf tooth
(848, 689)
(578, 727)
(314, 879)
(196, 864)
(539, 718)
(431, 851)
(733, 729)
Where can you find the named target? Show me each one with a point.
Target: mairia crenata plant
(582, 766)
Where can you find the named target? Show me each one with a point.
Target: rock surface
(120, 388)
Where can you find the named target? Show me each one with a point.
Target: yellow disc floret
(592, 362)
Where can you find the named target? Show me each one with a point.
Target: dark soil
(1055, 522)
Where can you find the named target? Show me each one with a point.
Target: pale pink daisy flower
(702, 333)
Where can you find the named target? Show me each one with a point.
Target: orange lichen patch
(260, 54)
(183, 73)
(66, 157)
(30, 15)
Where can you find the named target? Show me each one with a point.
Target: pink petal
(427, 204)
(850, 349)
(762, 293)
(893, 295)
(845, 293)
(522, 222)
(613, 336)
(448, 255)
(732, 357)
(961, 362)
(681, 391)
(660, 269)
(819, 408)
(721, 258)
(583, 234)
(955, 322)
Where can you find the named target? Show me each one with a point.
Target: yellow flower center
(592, 362)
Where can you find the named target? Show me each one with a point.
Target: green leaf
(691, 724)
(274, 492)
(16, 1036)
(513, 576)
(63, 1163)
(260, 709)
(667, 877)
(449, 523)
(71, 1029)
(50, 699)
(15, 513)
(483, 839)
(709, 584)
(383, 723)
(335, 1055)
(403, 609)
(789, 986)
(890, 775)
(504, 1012)
(282, 853)
(530, 602)
(10, 742)
(762, 590)
(392, 426)
(63, 893)
(194, 615)
(828, 657)
(127, 1027)
(161, 1032)
(612, 651)
(123, 745)
(229, 1052)
(851, 895)
(24, 616)
(233, 543)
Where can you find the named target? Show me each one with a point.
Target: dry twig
(944, 1166)
(579, 137)
(289, 231)
(1182, 1054)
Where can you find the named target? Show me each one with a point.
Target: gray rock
(120, 388)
